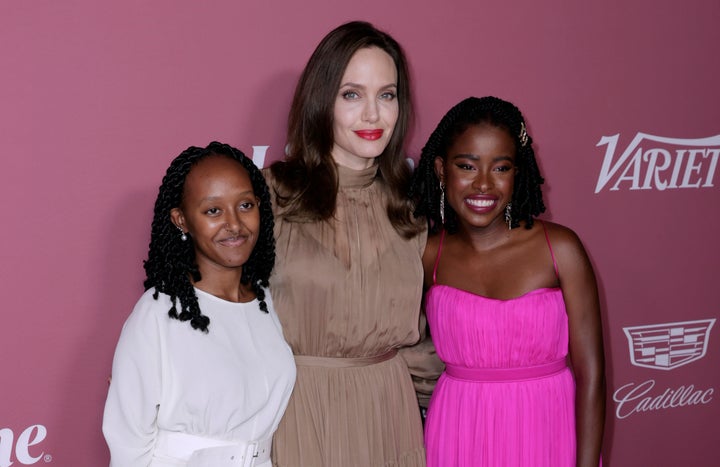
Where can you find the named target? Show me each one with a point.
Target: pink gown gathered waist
(506, 374)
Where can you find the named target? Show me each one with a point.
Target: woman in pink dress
(508, 301)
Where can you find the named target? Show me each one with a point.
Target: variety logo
(30, 436)
(655, 162)
(670, 345)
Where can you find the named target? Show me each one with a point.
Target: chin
(374, 153)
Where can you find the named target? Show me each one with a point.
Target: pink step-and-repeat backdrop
(96, 98)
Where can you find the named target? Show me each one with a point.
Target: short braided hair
(171, 267)
(527, 201)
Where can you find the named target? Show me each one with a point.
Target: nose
(482, 181)
(370, 111)
(232, 222)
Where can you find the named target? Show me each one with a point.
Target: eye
(247, 205)
(212, 211)
(504, 168)
(464, 166)
(388, 96)
(350, 95)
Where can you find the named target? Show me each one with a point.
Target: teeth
(480, 203)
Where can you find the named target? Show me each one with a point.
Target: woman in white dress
(202, 374)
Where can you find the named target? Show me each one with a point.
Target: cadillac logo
(669, 345)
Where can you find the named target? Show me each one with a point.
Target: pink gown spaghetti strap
(507, 395)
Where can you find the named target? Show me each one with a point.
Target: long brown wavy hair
(308, 180)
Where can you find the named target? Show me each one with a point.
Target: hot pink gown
(507, 395)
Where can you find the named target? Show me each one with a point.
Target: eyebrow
(356, 85)
(474, 157)
(213, 198)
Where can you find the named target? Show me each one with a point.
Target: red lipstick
(371, 135)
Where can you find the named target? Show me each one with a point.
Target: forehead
(483, 138)
(217, 171)
(370, 63)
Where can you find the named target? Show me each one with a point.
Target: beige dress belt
(343, 362)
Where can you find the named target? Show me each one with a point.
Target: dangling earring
(183, 234)
(508, 215)
(442, 203)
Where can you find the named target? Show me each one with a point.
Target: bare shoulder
(431, 249)
(569, 251)
(562, 237)
(429, 255)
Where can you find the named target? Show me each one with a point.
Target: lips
(370, 135)
(481, 204)
(234, 241)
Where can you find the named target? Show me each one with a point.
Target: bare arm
(580, 293)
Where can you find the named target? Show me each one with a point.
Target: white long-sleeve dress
(230, 384)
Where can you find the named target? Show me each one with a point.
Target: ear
(177, 218)
(440, 169)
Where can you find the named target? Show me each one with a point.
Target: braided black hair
(527, 201)
(171, 267)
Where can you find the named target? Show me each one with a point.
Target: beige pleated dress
(348, 294)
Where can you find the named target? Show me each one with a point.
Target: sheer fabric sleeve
(423, 363)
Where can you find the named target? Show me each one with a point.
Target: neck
(226, 286)
(485, 238)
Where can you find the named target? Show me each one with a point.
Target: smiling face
(478, 172)
(366, 109)
(219, 211)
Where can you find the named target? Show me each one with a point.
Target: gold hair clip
(523, 134)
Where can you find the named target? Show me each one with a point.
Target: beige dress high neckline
(349, 178)
(349, 287)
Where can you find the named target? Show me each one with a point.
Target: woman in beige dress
(347, 282)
